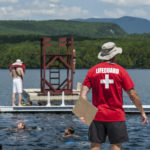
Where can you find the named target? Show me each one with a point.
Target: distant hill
(60, 27)
(129, 24)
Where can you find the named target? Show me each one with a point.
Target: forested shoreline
(136, 50)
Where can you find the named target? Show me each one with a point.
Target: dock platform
(36, 95)
(132, 109)
(36, 109)
(129, 109)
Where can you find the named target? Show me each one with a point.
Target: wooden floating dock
(63, 107)
(35, 95)
(129, 109)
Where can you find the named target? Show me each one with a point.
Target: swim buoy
(15, 65)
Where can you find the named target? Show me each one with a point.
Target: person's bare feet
(13, 105)
(19, 105)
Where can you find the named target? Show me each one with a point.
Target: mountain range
(91, 27)
(128, 24)
(59, 28)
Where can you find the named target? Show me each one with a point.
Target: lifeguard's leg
(19, 99)
(116, 146)
(117, 134)
(95, 146)
(13, 99)
(14, 90)
(19, 90)
(97, 135)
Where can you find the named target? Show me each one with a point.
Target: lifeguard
(107, 80)
(17, 70)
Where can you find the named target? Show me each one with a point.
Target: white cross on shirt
(107, 81)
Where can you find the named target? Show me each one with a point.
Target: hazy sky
(69, 9)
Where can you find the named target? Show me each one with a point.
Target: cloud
(71, 12)
(11, 13)
(51, 11)
(6, 10)
(129, 3)
(54, 1)
(139, 13)
(114, 13)
(52, 5)
(45, 3)
(39, 3)
(9, 1)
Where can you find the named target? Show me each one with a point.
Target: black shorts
(116, 132)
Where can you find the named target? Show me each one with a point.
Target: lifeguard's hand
(144, 119)
(82, 119)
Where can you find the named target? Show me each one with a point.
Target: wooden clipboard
(85, 109)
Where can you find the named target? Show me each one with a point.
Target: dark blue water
(44, 130)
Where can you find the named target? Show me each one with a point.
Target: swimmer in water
(69, 132)
(29, 103)
(22, 103)
(21, 125)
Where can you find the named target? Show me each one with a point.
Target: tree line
(136, 50)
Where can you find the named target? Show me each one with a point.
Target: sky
(71, 9)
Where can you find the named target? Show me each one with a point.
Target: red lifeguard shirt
(107, 81)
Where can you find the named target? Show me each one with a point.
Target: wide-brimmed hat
(18, 61)
(108, 51)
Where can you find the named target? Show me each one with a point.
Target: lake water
(44, 130)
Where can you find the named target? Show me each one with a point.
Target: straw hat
(109, 50)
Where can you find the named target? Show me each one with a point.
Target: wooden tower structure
(52, 64)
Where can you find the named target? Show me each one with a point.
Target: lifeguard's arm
(137, 102)
(83, 94)
(84, 91)
(22, 73)
(10, 73)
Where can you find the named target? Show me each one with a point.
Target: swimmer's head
(22, 101)
(29, 103)
(69, 131)
(21, 125)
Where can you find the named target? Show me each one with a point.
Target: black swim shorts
(116, 132)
